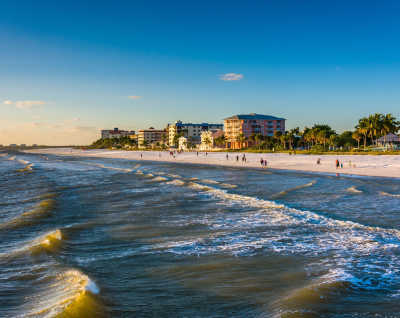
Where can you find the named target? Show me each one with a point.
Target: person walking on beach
(337, 164)
(141, 155)
(227, 157)
(265, 163)
(237, 158)
(197, 153)
(318, 161)
(262, 162)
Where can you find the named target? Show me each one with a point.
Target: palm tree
(241, 139)
(363, 128)
(357, 136)
(389, 125)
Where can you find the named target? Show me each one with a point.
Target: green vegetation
(322, 138)
(114, 143)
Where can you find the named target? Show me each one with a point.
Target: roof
(197, 125)
(254, 116)
(389, 138)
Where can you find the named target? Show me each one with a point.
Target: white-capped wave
(282, 193)
(353, 189)
(389, 194)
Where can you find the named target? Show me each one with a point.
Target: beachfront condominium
(189, 130)
(116, 133)
(239, 128)
(151, 136)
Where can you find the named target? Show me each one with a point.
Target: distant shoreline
(373, 166)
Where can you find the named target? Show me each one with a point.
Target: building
(208, 139)
(116, 133)
(182, 143)
(151, 136)
(191, 131)
(248, 125)
(388, 141)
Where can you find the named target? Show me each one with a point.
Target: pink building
(251, 124)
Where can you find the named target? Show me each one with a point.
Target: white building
(189, 130)
(183, 143)
(116, 133)
(208, 139)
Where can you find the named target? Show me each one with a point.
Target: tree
(241, 139)
(363, 128)
(357, 136)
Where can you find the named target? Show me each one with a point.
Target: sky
(71, 68)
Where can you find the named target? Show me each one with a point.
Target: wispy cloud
(134, 97)
(231, 77)
(24, 104)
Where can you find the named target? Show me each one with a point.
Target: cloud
(231, 77)
(134, 97)
(25, 104)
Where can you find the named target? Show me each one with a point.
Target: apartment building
(189, 130)
(250, 124)
(150, 136)
(116, 133)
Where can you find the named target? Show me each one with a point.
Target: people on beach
(265, 163)
(262, 162)
(337, 164)
(237, 158)
(197, 153)
(318, 161)
(227, 157)
(141, 155)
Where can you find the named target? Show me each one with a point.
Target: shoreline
(366, 165)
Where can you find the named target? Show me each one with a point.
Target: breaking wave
(48, 242)
(113, 168)
(282, 193)
(67, 294)
(389, 194)
(353, 189)
(41, 210)
(159, 179)
(176, 182)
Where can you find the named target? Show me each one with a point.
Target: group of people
(263, 163)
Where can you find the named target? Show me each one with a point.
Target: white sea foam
(176, 182)
(389, 194)
(353, 189)
(291, 231)
(282, 193)
(158, 179)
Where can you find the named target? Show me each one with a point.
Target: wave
(353, 189)
(176, 182)
(198, 186)
(12, 158)
(308, 301)
(302, 186)
(42, 209)
(28, 168)
(159, 179)
(67, 294)
(389, 194)
(290, 231)
(112, 168)
(171, 175)
(48, 242)
(228, 185)
(208, 181)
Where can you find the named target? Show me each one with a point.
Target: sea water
(90, 237)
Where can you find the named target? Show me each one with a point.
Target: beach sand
(363, 165)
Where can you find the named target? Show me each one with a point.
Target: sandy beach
(363, 165)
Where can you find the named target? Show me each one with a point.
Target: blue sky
(67, 68)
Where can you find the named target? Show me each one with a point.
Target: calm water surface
(84, 237)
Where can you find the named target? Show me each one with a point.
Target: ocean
(91, 237)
